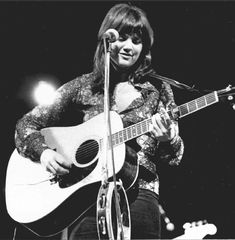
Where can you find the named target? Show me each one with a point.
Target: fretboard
(142, 127)
(131, 132)
(197, 104)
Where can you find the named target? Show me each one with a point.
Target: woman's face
(126, 50)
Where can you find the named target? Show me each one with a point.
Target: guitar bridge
(54, 179)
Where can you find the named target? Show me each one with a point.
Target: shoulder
(82, 81)
(162, 86)
(87, 78)
(166, 93)
(147, 78)
(158, 82)
(74, 88)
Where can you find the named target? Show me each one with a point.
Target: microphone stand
(104, 221)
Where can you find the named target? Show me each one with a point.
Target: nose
(128, 45)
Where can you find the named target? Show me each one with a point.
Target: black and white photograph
(118, 120)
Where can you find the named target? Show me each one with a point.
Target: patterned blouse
(76, 102)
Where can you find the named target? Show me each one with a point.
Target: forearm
(171, 151)
(29, 140)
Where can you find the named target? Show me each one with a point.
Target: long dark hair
(126, 19)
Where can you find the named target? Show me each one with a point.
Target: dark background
(194, 44)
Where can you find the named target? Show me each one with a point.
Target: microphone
(169, 225)
(111, 34)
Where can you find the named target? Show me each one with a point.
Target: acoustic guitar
(46, 204)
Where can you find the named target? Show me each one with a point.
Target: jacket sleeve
(28, 139)
(171, 151)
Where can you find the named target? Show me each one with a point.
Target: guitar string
(139, 126)
(115, 136)
(118, 137)
(87, 148)
(202, 102)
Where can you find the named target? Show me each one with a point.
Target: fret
(201, 102)
(124, 135)
(183, 110)
(211, 98)
(129, 135)
(120, 137)
(144, 126)
(116, 138)
(149, 122)
(192, 106)
(113, 140)
(133, 131)
(138, 127)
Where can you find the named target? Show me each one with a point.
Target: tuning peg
(230, 98)
(187, 225)
(199, 223)
(228, 88)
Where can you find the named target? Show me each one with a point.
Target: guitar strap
(151, 73)
(172, 82)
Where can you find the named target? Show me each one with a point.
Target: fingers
(159, 125)
(50, 169)
(59, 169)
(165, 117)
(54, 162)
(163, 127)
(61, 161)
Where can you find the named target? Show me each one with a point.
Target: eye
(136, 40)
(122, 38)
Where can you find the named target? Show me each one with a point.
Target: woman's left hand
(164, 129)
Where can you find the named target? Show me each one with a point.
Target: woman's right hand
(54, 162)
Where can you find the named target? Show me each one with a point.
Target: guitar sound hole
(87, 152)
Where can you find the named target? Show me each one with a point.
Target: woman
(134, 95)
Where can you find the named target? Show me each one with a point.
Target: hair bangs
(131, 23)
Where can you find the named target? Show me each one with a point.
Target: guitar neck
(131, 132)
(195, 105)
(142, 127)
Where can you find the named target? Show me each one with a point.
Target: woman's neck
(119, 75)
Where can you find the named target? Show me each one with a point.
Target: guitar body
(47, 204)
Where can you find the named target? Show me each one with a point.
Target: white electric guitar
(197, 230)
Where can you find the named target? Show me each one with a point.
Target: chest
(124, 95)
(132, 103)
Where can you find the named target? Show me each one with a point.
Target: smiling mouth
(126, 55)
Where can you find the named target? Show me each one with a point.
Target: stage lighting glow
(44, 93)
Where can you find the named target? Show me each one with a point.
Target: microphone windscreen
(111, 34)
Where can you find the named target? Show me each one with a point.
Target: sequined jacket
(76, 102)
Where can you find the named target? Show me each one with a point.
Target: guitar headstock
(227, 94)
(201, 226)
(197, 230)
